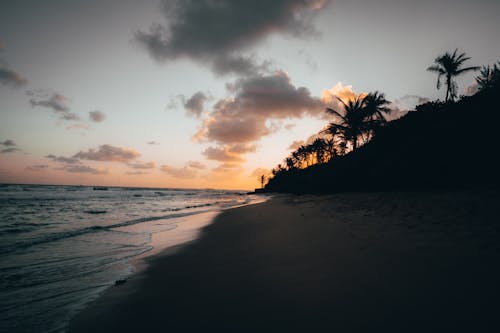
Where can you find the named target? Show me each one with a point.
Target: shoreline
(189, 229)
(346, 261)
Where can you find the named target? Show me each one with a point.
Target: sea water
(61, 246)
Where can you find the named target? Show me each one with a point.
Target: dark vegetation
(439, 145)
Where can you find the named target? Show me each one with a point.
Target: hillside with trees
(447, 144)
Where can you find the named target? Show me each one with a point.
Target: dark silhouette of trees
(488, 77)
(360, 118)
(419, 149)
(450, 66)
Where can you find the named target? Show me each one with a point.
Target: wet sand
(355, 262)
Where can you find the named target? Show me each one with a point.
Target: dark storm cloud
(216, 31)
(97, 116)
(108, 153)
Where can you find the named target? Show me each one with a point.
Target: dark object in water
(100, 188)
(138, 195)
(119, 282)
(96, 211)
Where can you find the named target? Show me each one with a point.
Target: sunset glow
(128, 102)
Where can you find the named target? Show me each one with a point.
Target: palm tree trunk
(354, 143)
(448, 86)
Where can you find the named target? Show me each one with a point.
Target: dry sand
(400, 262)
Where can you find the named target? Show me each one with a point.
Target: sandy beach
(395, 261)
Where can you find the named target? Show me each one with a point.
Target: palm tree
(318, 148)
(450, 66)
(376, 106)
(488, 76)
(357, 121)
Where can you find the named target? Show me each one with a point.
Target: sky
(204, 93)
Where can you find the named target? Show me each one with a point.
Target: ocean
(61, 246)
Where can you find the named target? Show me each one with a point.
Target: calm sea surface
(61, 246)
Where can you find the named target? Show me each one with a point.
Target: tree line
(359, 119)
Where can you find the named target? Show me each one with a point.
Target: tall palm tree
(450, 66)
(376, 106)
(488, 76)
(356, 121)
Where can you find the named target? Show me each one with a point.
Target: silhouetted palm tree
(450, 66)
(355, 122)
(376, 106)
(488, 77)
(318, 148)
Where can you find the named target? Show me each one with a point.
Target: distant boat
(100, 188)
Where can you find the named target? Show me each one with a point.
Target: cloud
(37, 168)
(345, 93)
(184, 172)
(242, 148)
(138, 165)
(196, 165)
(296, 144)
(11, 78)
(8, 143)
(222, 154)
(84, 169)
(9, 150)
(194, 104)
(401, 106)
(62, 159)
(228, 167)
(54, 101)
(152, 143)
(215, 32)
(8, 76)
(137, 173)
(108, 153)
(239, 64)
(97, 116)
(243, 117)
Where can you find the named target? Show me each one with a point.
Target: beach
(350, 262)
